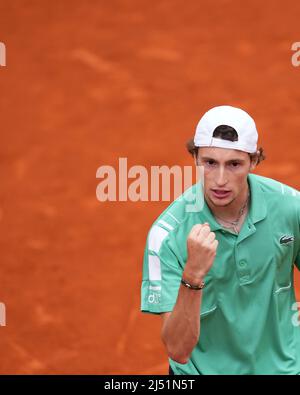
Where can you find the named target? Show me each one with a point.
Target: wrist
(192, 278)
(192, 286)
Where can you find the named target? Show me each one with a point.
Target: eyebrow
(228, 161)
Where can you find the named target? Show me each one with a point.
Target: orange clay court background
(87, 82)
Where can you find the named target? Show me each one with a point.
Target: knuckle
(197, 226)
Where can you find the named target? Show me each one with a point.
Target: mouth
(220, 193)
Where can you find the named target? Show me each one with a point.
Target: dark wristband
(194, 287)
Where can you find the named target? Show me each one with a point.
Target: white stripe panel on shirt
(156, 237)
(154, 268)
(161, 221)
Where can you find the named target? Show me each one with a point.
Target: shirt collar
(258, 206)
(214, 225)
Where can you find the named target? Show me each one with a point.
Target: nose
(221, 177)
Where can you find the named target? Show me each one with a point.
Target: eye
(235, 164)
(210, 162)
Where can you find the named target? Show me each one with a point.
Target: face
(225, 174)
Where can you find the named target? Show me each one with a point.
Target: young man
(222, 277)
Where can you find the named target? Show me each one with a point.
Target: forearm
(181, 330)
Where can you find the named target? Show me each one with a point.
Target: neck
(231, 211)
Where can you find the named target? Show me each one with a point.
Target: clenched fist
(201, 248)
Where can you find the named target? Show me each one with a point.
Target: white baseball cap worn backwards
(238, 119)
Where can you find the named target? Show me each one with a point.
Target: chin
(221, 203)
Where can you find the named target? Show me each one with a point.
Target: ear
(253, 161)
(195, 159)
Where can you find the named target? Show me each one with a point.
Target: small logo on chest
(286, 239)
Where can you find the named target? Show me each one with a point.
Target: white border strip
(165, 224)
(279, 289)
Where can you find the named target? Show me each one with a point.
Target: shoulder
(274, 188)
(278, 196)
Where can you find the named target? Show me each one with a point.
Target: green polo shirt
(249, 322)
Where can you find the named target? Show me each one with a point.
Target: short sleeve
(161, 272)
